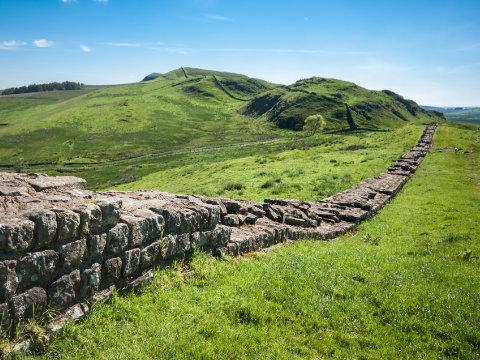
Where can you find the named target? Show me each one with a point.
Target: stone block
(16, 235)
(37, 268)
(45, 228)
(8, 279)
(150, 255)
(96, 245)
(183, 244)
(68, 225)
(168, 246)
(144, 230)
(112, 271)
(110, 209)
(64, 292)
(29, 304)
(131, 261)
(90, 218)
(72, 254)
(90, 280)
(231, 220)
(117, 239)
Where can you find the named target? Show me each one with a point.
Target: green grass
(405, 285)
(314, 168)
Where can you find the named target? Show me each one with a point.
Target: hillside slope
(342, 104)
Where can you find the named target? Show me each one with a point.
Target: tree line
(66, 85)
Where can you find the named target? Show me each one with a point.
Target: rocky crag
(61, 245)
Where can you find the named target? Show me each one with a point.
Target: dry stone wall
(61, 244)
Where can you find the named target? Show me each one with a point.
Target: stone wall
(61, 244)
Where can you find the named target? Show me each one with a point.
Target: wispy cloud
(42, 43)
(101, 1)
(85, 48)
(11, 44)
(68, 1)
(217, 17)
(123, 44)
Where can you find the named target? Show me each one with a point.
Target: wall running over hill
(61, 245)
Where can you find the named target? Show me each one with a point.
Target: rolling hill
(160, 119)
(458, 114)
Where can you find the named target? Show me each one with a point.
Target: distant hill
(458, 114)
(54, 86)
(342, 103)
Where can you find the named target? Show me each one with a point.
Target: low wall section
(61, 244)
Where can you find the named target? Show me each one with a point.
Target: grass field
(405, 285)
(308, 168)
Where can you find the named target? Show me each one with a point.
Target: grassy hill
(343, 104)
(117, 134)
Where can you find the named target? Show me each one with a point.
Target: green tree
(314, 124)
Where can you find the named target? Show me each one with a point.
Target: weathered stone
(90, 280)
(117, 239)
(168, 246)
(231, 220)
(13, 191)
(131, 261)
(179, 221)
(221, 206)
(144, 230)
(4, 316)
(90, 218)
(96, 245)
(183, 244)
(112, 271)
(45, 228)
(41, 182)
(232, 206)
(110, 211)
(16, 235)
(222, 236)
(71, 254)
(68, 225)
(37, 268)
(29, 304)
(150, 255)
(214, 212)
(73, 313)
(273, 213)
(63, 292)
(8, 279)
(250, 219)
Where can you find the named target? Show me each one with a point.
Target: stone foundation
(61, 244)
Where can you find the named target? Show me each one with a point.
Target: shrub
(313, 124)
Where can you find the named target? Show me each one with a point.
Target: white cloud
(11, 44)
(85, 48)
(217, 17)
(42, 43)
(101, 1)
(68, 1)
(123, 44)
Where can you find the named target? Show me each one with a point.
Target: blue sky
(425, 50)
